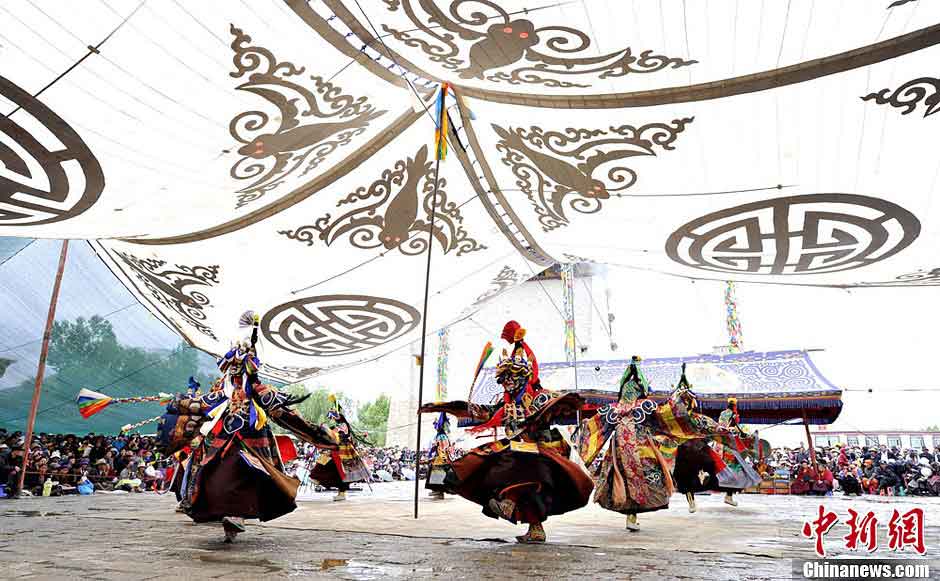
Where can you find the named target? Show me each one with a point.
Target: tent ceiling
(278, 156)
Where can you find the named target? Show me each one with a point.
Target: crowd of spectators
(880, 470)
(385, 464)
(70, 464)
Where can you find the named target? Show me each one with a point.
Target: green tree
(314, 408)
(86, 353)
(373, 418)
(933, 428)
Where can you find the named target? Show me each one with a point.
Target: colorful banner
(443, 348)
(735, 336)
(440, 132)
(567, 282)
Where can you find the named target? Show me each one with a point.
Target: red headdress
(515, 334)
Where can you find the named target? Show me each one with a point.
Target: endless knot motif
(309, 124)
(811, 234)
(47, 173)
(500, 41)
(333, 325)
(170, 287)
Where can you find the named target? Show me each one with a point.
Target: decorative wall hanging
(911, 94)
(567, 285)
(180, 288)
(333, 325)
(395, 212)
(810, 234)
(36, 184)
(578, 168)
(443, 350)
(487, 43)
(732, 321)
(311, 123)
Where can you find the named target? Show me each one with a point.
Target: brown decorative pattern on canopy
(502, 281)
(181, 288)
(334, 325)
(578, 164)
(921, 277)
(811, 234)
(502, 41)
(911, 94)
(28, 199)
(393, 211)
(310, 124)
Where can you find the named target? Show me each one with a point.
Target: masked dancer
(235, 470)
(343, 466)
(526, 476)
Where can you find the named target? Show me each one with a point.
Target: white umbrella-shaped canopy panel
(280, 156)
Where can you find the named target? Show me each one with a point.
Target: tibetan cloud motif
(811, 234)
(310, 123)
(37, 148)
(499, 44)
(578, 168)
(395, 212)
(909, 95)
(180, 288)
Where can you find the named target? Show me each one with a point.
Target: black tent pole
(424, 327)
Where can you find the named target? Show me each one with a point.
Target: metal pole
(41, 371)
(424, 326)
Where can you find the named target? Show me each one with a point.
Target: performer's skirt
(233, 485)
(327, 475)
(438, 476)
(695, 468)
(696, 456)
(541, 484)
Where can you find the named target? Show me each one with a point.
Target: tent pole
(41, 371)
(809, 441)
(424, 325)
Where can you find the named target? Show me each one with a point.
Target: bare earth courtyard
(373, 536)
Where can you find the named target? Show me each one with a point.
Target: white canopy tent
(279, 156)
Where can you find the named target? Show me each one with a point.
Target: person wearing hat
(869, 480)
(718, 463)
(344, 466)
(525, 477)
(736, 474)
(240, 471)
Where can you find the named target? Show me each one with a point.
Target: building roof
(770, 387)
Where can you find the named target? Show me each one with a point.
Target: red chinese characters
(863, 532)
(907, 530)
(819, 528)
